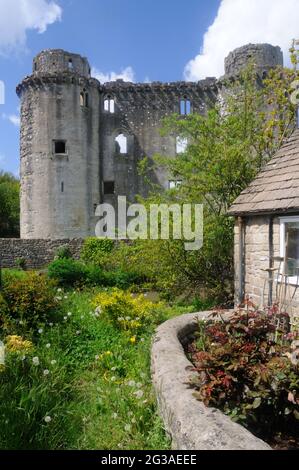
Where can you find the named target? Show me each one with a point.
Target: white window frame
(282, 222)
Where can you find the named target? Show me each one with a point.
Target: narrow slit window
(70, 64)
(185, 107)
(121, 144)
(181, 144)
(60, 147)
(109, 187)
(109, 105)
(62, 187)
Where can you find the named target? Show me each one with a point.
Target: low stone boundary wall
(37, 253)
(191, 425)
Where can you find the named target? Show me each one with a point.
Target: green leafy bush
(63, 252)
(21, 263)
(248, 367)
(30, 301)
(67, 272)
(95, 250)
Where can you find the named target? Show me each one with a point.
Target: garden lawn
(85, 385)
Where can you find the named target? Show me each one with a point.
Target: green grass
(93, 403)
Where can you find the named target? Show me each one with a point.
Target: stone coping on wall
(191, 425)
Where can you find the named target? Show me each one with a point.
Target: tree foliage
(9, 205)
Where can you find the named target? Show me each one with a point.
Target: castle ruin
(81, 140)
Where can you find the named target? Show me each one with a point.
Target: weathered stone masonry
(36, 253)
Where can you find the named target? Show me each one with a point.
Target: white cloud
(19, 16)
(240, 22)
(13, 118)
(127, 74)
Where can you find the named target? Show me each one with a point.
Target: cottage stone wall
(256, 262)
(37, 253)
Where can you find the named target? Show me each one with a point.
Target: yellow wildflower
(133, 339)
(16, 343)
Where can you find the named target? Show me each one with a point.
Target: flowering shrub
(30, 300)
(16, 344)
(248, 367)
(128, 312)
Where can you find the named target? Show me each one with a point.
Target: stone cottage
(267, 232)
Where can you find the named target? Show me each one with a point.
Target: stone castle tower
(81, 141)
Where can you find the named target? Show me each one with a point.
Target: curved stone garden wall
(191, 425)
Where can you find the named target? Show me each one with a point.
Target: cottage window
(181, 144)
(109, 105)
(289, 248)
(70, 64)
(185, 107)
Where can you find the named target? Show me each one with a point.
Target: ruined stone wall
(139, 112)
(257, 261)
(36, 253)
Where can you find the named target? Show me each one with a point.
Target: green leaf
(257, 402)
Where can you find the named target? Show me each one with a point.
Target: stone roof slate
(276, 188)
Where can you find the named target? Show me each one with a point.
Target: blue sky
(165, 40)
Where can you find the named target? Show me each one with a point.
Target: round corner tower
(60, 108)
(264, 56)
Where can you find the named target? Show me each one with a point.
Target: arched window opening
(185, 107)
(181, 144)
(109, 104)
(84, 99)
(121, 143)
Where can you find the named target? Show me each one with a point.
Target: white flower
(35, 361)
(48, 419)
(115, 415)
(65, 296)
(142, 340)
(142, 375)
(133, 420)
(46, 372)
(97, 357)
(40, 331)
(48, 345)
(65, 318)
(23, 358)
(130, 413)
(59, 298)
(128, 428)
(53, 362)
(138, 394)
(59, 290)
(113, 368)
(131, 383)
(51, 324)
(78, 332)
(128, 318)
(113, 379)
(69, 314)
(21, 322)
(82, 316)
(139, 385)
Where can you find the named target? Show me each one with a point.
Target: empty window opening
(109, 105)
(108, 187)
(84, 99)
(181, 144)
(121, 143)
(62, 187)
(185, 107)
(174, 184)
(60, 146)
(70, 64)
